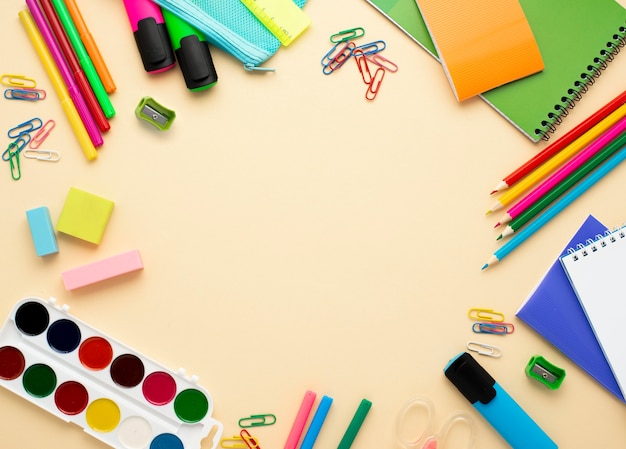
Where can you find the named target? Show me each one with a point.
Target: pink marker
(102, 270)
(300, 421)
(567, 169)
(151, 35)
(72, 87)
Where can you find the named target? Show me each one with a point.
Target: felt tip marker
(495, 404)
(151, 35)
(192, 52)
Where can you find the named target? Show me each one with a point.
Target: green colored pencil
(568, 182)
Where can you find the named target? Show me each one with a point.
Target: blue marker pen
(495, 404)
(316, 423)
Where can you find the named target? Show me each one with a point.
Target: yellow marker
(55, 77)
(283, 18)
(558, 159)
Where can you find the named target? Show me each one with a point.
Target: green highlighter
(192, 53)
(83, 58)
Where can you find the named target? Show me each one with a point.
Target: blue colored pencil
(557, 207)
(316, 423)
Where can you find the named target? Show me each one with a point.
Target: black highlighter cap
(153, 42)
(471, 379)
(196, 63)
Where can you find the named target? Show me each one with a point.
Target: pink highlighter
(151, 35)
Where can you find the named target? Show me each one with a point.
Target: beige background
(296, 236)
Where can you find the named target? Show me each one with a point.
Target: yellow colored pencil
(57, 81)
(558, 159)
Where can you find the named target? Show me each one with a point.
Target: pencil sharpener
(154, 113)
(545, 372)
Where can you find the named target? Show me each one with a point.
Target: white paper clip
(484, 349)
(42, 155)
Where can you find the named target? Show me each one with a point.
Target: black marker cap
(471, 379)
(153, 42)
(194, 58)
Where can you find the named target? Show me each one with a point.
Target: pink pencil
(567, 169)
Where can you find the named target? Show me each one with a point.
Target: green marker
(192, 53)
(83, 58)
(355, 425)
(568, 182)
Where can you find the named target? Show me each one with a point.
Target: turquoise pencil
(557, 207)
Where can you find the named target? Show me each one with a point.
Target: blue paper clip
(257, 420)
(335, 61)
(493, 328)
(25, 94)
(372, 47)
(20, 143)
(25, 128)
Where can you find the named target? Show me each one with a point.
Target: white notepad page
(597, 272)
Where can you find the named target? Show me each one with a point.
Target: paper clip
(20, 142)
(250, 441)
(493, 328)
(25, 128)
(372, 47)
(257, 420)
(42, 155)
(346, 35)
(485, 315)
(484, 349)
(374, 85)
(14, 162)
(383, 62)
(236, 442)
(335, 62)
(41, 135)
(25, 94)
(18, 81)
(361, 63)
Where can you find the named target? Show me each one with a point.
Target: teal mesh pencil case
(229, 26)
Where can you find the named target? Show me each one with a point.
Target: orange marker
(90, 45)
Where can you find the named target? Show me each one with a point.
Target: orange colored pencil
(90, 45)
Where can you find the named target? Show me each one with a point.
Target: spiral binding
(600, 241)
(581, 86)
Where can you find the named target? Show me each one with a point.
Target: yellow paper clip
(250, 441)
(18, 81)
(236, 442)
(374, 85)
(41, 135)
(484, 349)
(485, 315)
(257, 420)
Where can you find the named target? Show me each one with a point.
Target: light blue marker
(316, 423)
(557, 207)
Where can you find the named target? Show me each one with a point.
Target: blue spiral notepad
(553, 311)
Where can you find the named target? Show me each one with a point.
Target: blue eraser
(495, 404)
(42, 231)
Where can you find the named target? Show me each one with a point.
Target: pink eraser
(300, 421)
(102, 269)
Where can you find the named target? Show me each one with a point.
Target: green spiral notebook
(577, 39)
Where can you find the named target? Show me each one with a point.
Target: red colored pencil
(561, 143)
(74, 65)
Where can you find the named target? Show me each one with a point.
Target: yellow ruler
(282, 18)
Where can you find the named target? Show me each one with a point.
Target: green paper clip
(154, 113)
(545, 372)
(257, 420)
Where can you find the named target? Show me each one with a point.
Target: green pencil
(568, 182)
(83, 58)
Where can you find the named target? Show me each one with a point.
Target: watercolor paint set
(83, 376)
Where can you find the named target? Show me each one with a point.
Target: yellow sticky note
(482, 44)
(283, 18)
(85, 215)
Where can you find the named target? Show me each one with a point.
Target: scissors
(428, 439)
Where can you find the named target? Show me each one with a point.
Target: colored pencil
(555, 209)
(83, 58)
(91, 47)
(74, 65)
(55, 77)
(568, 168)
(561, 143)
(550, 165)
(557, 191)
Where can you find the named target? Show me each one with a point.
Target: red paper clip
(374, 85)
(361, 63)
(250, 441)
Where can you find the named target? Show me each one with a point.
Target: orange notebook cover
(482, 44)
